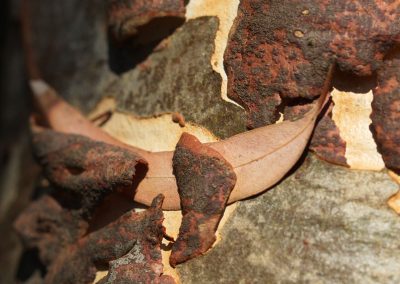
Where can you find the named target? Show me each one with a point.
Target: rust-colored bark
(326, 141)
(282, 50)
(88, 168)
(386, 114)
(72, 257)
(205, 180)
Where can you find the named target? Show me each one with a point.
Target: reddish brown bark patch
(284, 49)
(205, 180)
(58, 226)
(126, 17)
(142, 264)
(326, 141)
(385, 114)
(296, 110)
(76, 263)
(47, 226)
(87, 168)
(72, 257)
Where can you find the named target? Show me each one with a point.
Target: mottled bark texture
(88, 169)
(205, 180)
(178, 77)
(126, 17)
(282, 50)
(386, 114)
(71, 257)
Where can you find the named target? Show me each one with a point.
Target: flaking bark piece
(77, 262)
(385, 114)
(142, 264)
(88, 168)
(326, 141)
(282, 50)
(205, 180)
(126, 17)
(47, 226)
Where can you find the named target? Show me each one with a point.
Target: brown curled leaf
(76, 263)
(250, 153)
(282, 50)
(88, 168)
(385, 114)
(205, 180)
(126, 17)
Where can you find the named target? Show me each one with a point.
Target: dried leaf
(260, 157)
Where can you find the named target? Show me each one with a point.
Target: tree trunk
(322, 223)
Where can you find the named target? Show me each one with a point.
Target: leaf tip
(39, 87)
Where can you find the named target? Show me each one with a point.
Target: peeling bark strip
(71, 258)
(326, 141)
(86, 167)
(281, 50)
(125, 17)
(47, 226)
(142, 264)
(385, 114)
(205, 180)
(76, 263)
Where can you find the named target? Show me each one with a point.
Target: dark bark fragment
(126, 17)
(294, 112)
(47, 226)
(77, 262)
(72, 258)
(205, 180)
(385, 114)
(142, 264)
(326, 141)
(282, 50)
(88, 169)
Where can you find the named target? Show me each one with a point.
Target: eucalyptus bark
(323, 223)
